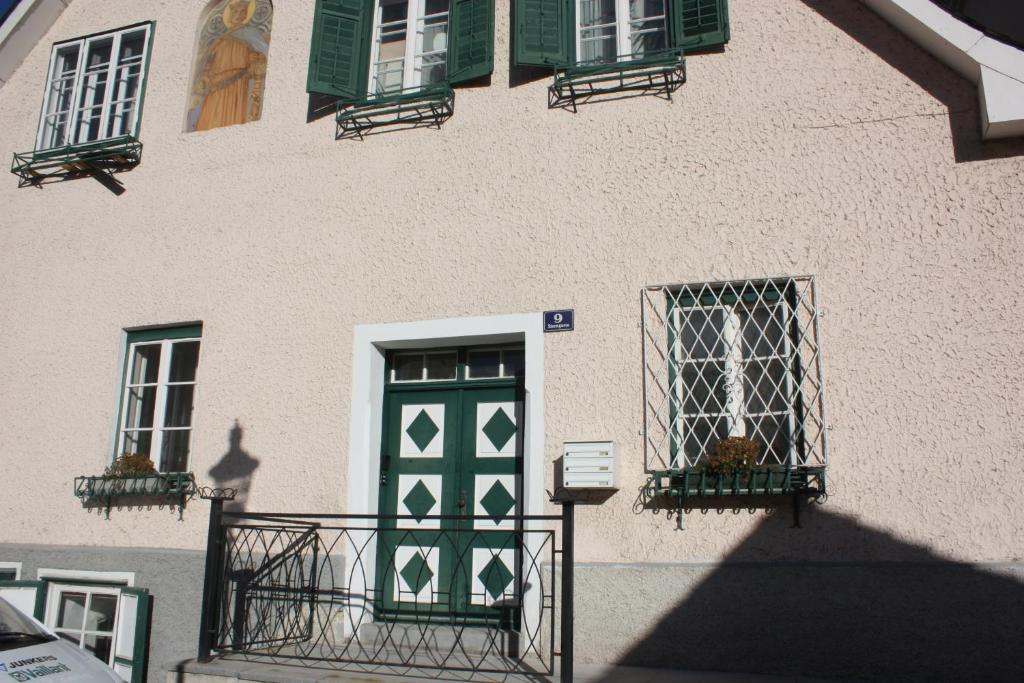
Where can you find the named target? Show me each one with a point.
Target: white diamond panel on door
(494, 496)
(419, 495)
(422, 431)
(496, 430)
(493, 578)
(416, 574)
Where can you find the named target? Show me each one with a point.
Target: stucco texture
(819, 141)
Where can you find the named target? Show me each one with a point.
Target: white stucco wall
(803, 148)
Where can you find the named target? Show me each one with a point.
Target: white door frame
(370, 345)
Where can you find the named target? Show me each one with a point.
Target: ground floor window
(86, 617)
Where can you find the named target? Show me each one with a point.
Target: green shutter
(544, 32)
(28, 596)
(132, 632)
(471, 40)
(339, 52)
(700, 24)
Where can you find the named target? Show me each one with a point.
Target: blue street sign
(558, 321)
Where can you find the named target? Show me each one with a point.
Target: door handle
(462, 500)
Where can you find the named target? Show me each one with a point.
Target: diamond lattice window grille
(737, 358)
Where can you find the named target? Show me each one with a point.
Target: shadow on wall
(958, 95)
(235, 470)
(892, 611)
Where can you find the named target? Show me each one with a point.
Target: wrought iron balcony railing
(658, 73)
(417, 107)
(113, 155)
(365, 594)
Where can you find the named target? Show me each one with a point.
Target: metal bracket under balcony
(659, 74)
(420, 107)
(97, 159)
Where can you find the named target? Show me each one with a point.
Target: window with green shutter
(599, 47)
(394, 61)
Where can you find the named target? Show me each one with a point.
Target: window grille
(738, 358)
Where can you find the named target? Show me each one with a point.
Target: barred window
(733, 359)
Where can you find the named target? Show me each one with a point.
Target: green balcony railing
(73, 161)
(163, 488)
(657, 73)
(424, 106)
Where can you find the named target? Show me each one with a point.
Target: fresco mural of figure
(230, 64)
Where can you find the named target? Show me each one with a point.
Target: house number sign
(559, 321)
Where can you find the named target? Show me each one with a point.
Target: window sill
(769, 480)
(426, 106)
(660, 74)
(73, 161)
(164, 488)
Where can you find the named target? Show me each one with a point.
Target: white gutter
(24, 28)
(997, 68)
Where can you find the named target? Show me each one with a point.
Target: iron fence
(379, 593)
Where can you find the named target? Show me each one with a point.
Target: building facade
(799, 240)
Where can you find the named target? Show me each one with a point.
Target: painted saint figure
(231, 65)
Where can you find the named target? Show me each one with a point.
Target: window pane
(639, 9)
(648, 36)
(597, 12)
(441, 365)
(8, 575)
(700, 333)
(408, 367)
(772, 432)
(175, 451)
(763, 331)
(100, 616)
(390, 62)
(703, 387)
(435, 7)
(145, 364)
(93, 90)
(71, 613)
(140, 443)
(99, 646)
(141, 404)
(598, 44)
(126, 83)
(515, 363)
(59, 104)
(435, 68)
(184, 359)
(700, 434)
(765, 387)
(484, 364)
(178, 412)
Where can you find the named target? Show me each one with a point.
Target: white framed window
(10, 571)
(94, 87)
(101, 613)
(86, 616)
(158, 395)
(610, 30)
(734, 358)
(410, 44)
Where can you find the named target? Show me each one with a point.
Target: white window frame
(423, 366)
(734, 364)
(109, 98)
(16, 566)
(623, 24)
(56, 590)
(415, 21)
(160, 403)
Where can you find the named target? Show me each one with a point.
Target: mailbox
(589, 465)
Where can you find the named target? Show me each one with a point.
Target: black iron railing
(387, 593)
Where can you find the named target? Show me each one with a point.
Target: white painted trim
(369, 345)
(996, 68)
(72, 575)
(16, 566)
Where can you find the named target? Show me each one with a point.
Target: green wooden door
(450, 448)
